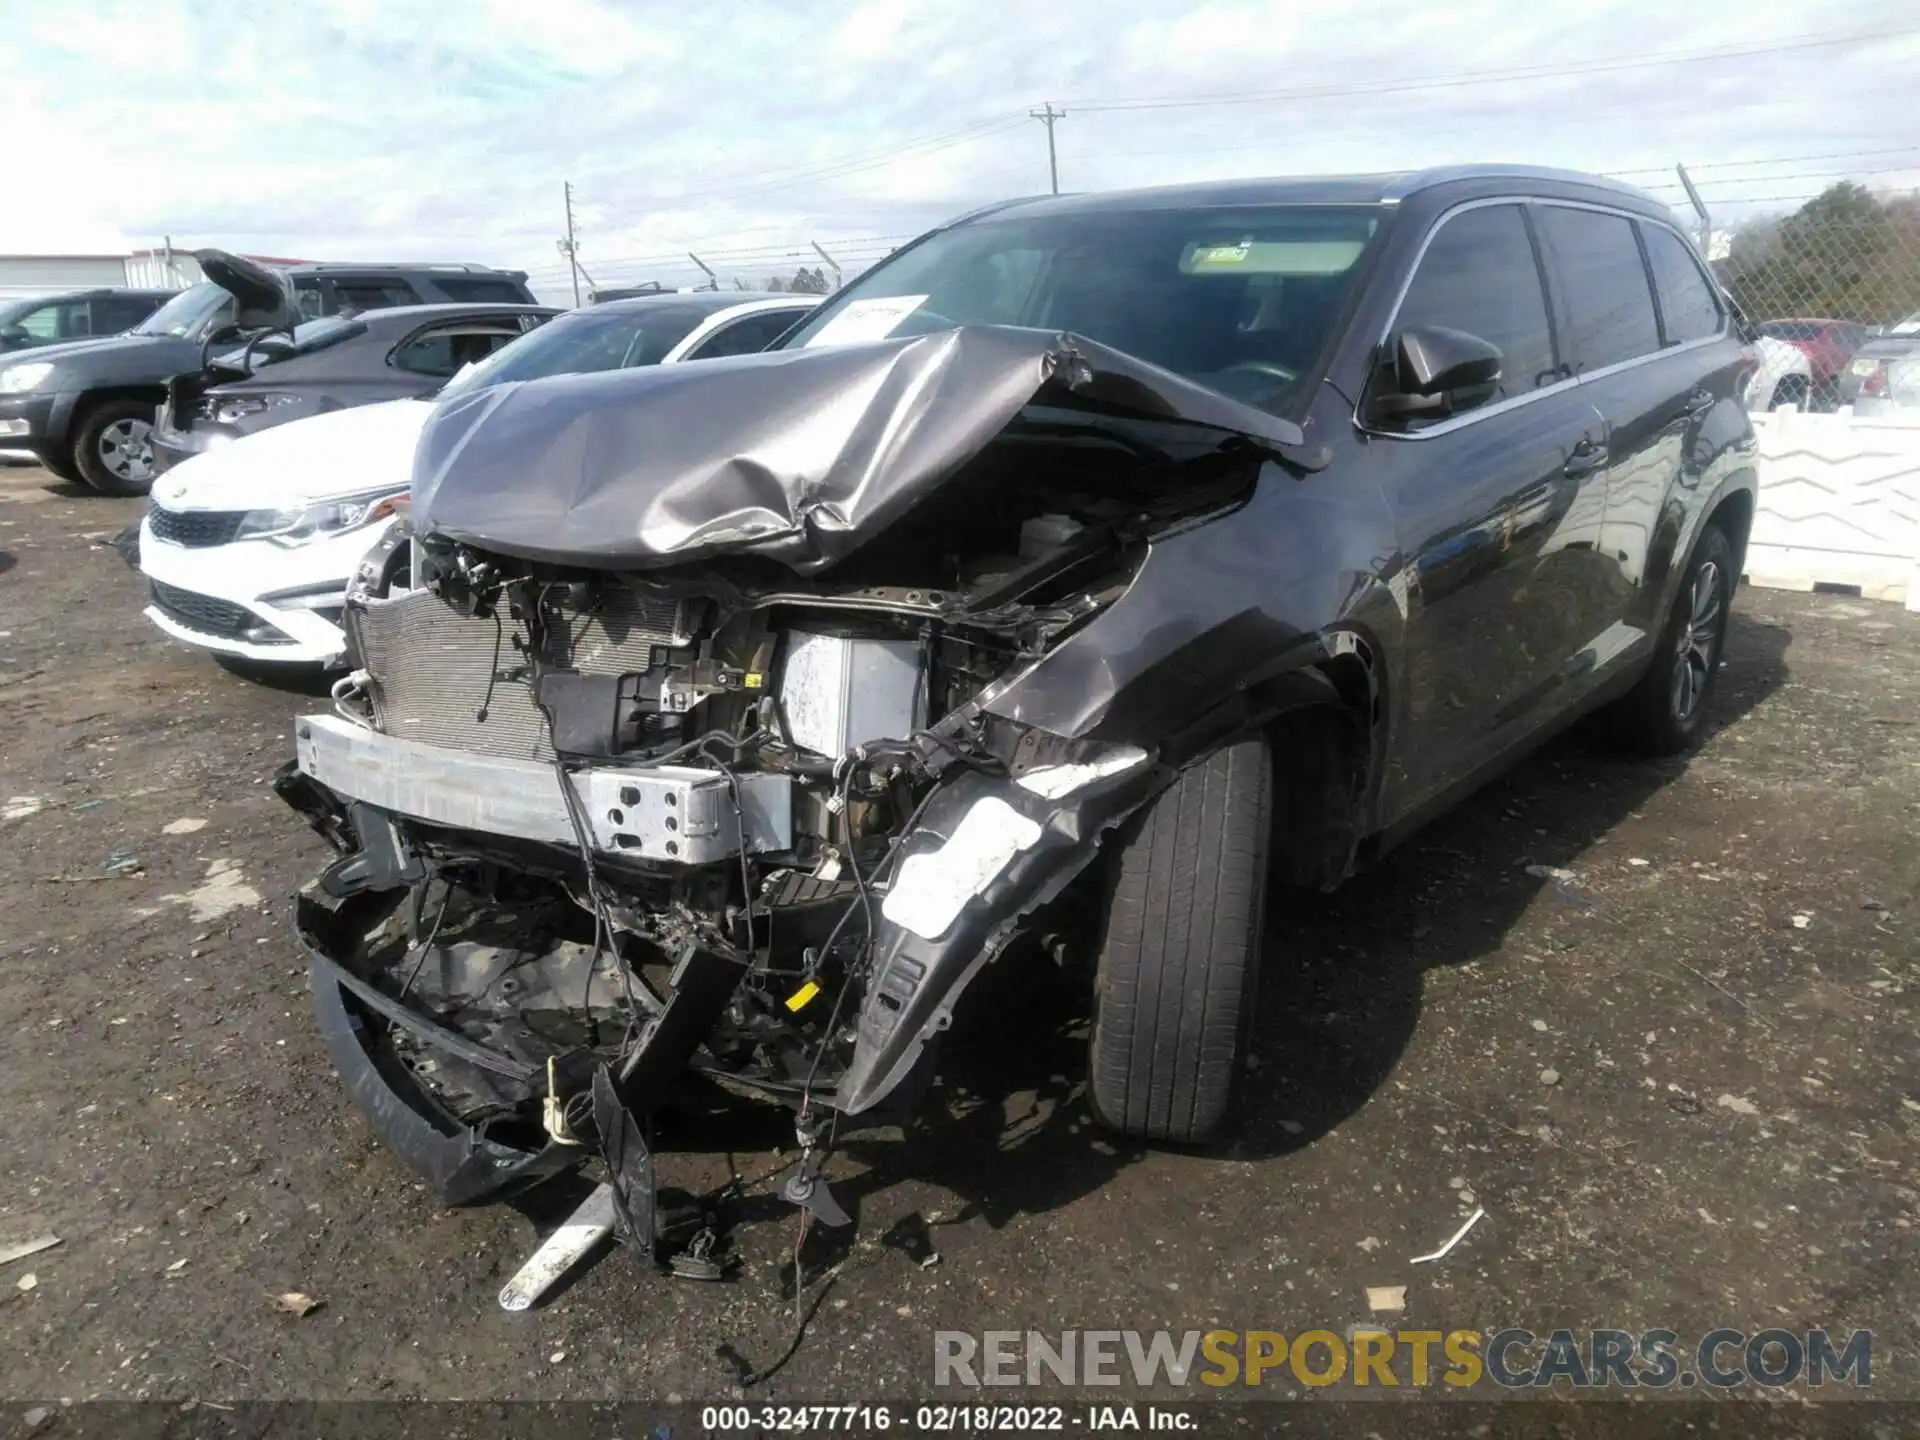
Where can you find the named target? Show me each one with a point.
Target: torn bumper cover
(666, 770)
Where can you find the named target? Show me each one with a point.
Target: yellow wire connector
(802, 997)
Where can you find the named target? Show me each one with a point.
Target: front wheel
(1179, 964)
(113, 449)
(1667, 711)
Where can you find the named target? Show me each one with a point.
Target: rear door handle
(1586, 458)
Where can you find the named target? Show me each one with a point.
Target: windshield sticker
(1223, 254)
(864, 320)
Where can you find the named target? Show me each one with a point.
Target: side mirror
(14, 335)
(1435, 371)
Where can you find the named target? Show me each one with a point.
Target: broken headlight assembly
(231, 409)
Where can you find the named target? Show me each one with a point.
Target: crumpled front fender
(986, 851)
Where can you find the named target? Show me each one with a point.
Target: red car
(1828, 346)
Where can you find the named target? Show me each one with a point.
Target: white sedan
(1785, 376)
(248, 547)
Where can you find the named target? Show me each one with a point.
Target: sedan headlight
(18, 378)
(316, 522)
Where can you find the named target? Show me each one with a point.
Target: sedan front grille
(195, 529)
(434, 669)
(221, 619)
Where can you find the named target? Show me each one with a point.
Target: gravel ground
(1657, 1019)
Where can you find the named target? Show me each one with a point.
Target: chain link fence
(1846, 255)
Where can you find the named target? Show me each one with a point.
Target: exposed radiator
(430, 666)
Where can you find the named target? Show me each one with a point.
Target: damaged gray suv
(721, 722)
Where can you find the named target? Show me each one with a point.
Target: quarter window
(1603, 284)
(1479, 275)
(746, 336)
(1687, 304)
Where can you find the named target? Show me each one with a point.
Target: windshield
(1237, 299)
(308, 337)
(187, 313)
(583, 341)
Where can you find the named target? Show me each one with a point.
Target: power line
(1479, 77)
(1780, 160)
(839, 169)
(753, 252)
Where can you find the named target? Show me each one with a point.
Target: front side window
(1479, 275)
(1241, 299)
(1603, 282)
(42, 323)
(1688, 306)
(113, 314)
(307, 298)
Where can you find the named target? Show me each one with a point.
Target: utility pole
(572, 245)
(1700, 209)
(1047, 117)
(837, 277)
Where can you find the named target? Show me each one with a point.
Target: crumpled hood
(343, 452)
(800, 455)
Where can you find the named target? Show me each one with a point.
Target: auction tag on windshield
(867, 320)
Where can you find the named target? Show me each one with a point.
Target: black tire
(1664, 714)
(96, 426)
(1179, 966)
(60, 466)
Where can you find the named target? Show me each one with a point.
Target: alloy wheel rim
(126, 449)
(1698, 640)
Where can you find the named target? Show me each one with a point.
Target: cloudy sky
(443, 129)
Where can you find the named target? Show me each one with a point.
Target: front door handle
(1586, 458)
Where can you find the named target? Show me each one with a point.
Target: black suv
(85, 408)
(75, 315)
(1079, 567)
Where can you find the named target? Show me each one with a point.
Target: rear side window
(441, 351)
(1687, 304)
(1603, 282)
(481, 292)
(371, 294)
(746, 336)
(1479, 275)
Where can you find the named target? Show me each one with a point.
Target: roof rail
(1417, 180)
